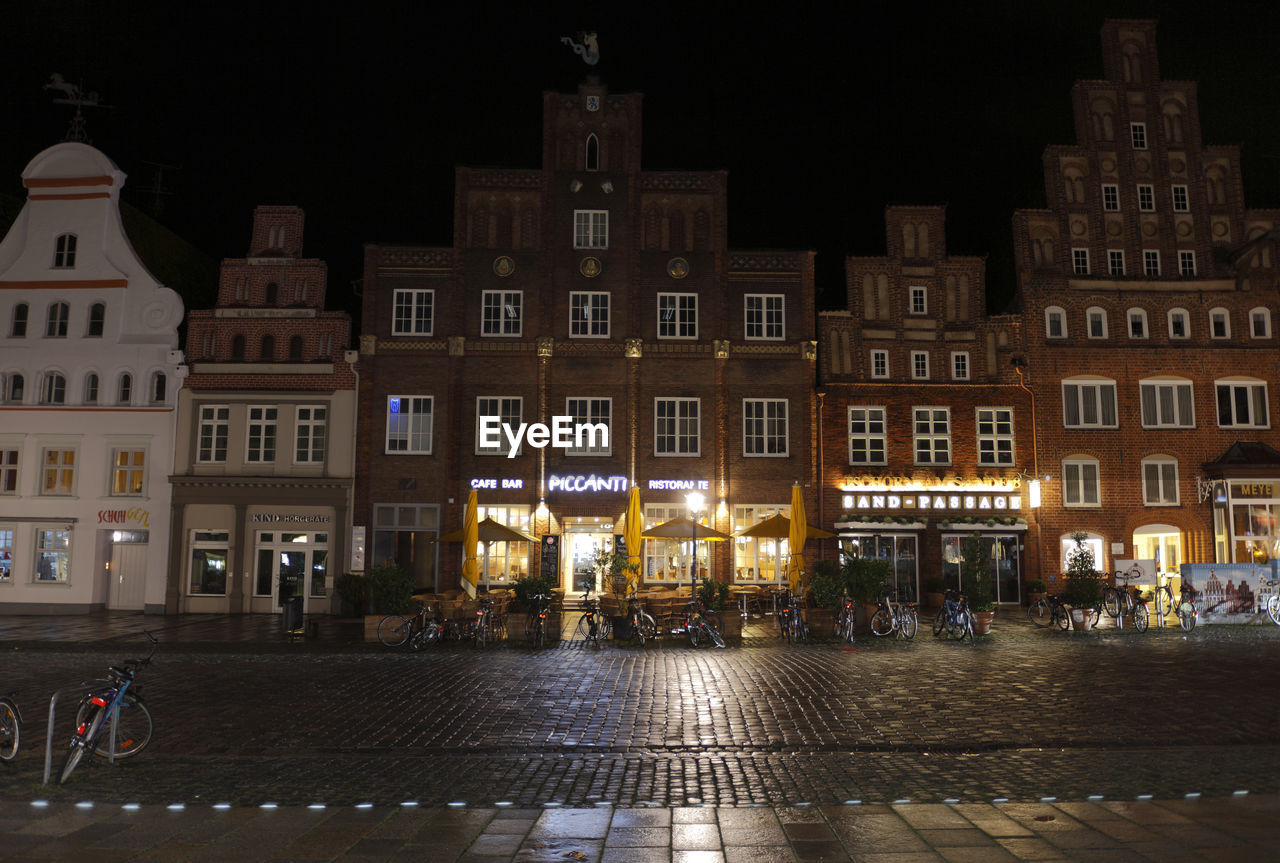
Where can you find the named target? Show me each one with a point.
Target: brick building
(927, 433)
(1148, 293)
(266, 425)
(595, 290)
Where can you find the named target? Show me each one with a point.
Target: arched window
(1138, 323)
(56, 325)
(1219, 323)
(126, 389)
(91, 389)
(97, 316)
(1179, 324)
(17, 388)
(273, 293)
(54, 389)
(159, 388)
(268, 352)
(593, 153)
(18, 329)
(1096, 322)
(1260, 323)
(237, 347)
(295, 349)
(1055, 322)
(64, 253)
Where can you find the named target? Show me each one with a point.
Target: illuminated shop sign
(587, 482)
(276, 517)
(497, 483)
(1252, 489)
(679, 485)
(976, 497)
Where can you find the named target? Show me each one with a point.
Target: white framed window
(261, 439)
(1151, 262)
(676, 427)
(1096, 319)
(1138, 135)
(55, 325)
(53, 389)
(15, 388)
(9, 455)
(59, 472)
(588, 314)
(596, 412)
(1219, 323)
(309, 434)
(124, 389)
(1159, 481)
(414, 313)
(960, 365)
(1181, 203)
(214, 424)
(591, 229)
(1110, 197)
(18, 321)
(920, 365)
(765, 316)
(995, 436)
(409, 424)
(53, 555)
(1179, 324)
(508, 410)
(1115, 262)
(677, 316)
(1146, 198)
(867, 441)
(879, 364)
(1186, 262)
(1260, 323)
(97, 320)
(210, 557)
(159, 387)
(931, 435)
(919, 300)
(64, 252)
(1080, 486)
(1089, 403)
(1055, 323)
(1242, 403)
(764, 427)
(1080, 262)
(6, 555)
(1167, 403)
(128, 472)
(1137, 323)
(502, 313)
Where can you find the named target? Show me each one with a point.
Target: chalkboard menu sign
(550, 569)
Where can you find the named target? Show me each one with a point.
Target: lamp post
(694, 501)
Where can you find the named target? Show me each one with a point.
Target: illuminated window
(409, 424)
(931, 433)
(128, 472)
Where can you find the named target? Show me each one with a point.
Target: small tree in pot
(390, 592)
(825, 587)
(975, 571)
(1084, 582)
(864, 578)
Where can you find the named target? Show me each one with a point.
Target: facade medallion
(504, 266)
(590, 267)
(677, 268)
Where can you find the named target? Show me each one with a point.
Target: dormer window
(593, 153)
(64, 253)
(97, 315)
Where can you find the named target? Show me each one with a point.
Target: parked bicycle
(643, 626)
(791, 624)
(115, 704)
(1117, 598)
(535, 627)
(593, 626)
(1049, 610)
(418, 631)
(482, 628)
(954, 617)
(701, 625)
(1183, 607)
(892, 616)
(1273, 601)
(10, 728)
(846, 618)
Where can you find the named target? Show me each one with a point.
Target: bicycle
(1049, 609)
(535, 628)
(896, 617)
(418, 631)
(481, 628)
(10, 728)
(593, 627)
(791, 625)
(1117, 599)
(643, 626)
(846, 618)
(1273, 601)
(700, 625)
(118, 703)
(954, 617)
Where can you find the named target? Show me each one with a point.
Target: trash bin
(291, 613)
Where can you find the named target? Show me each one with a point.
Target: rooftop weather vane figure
(587, 48)
(74, 96)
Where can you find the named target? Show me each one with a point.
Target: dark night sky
(821, 119)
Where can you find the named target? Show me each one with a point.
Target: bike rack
(53, 704)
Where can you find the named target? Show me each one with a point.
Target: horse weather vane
(586, 47)
(73, 95)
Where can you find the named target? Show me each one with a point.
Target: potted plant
(1084, 583)
(975, 572)
(524, 589)
(864, 579)
(826, 585)
(1036, 589)
(353, 594)
(390, 592)
(935, 588)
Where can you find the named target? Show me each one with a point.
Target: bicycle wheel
(799, 626)
(1096, 611)
(1140, 621)
(908, 624)
(1062, 617)
(1186, 615)
(646, 625)
(964, 627)
(1111, 601)
(1040, 613)
(86, 727)
(881, 622)
(713, 634)
(1273, 609)
(1164, 600)
(940, 622)
(784, 626)
(10, 730)
(134, 727)
(692, 630)
(588, 628)
(394, 630)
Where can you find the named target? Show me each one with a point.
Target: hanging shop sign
(492, 482)
(587, 482)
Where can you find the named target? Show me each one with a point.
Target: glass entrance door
(293, 564)
(585, 551)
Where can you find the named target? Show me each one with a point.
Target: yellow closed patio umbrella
(631, 536)
(796, 538)
(470, 540)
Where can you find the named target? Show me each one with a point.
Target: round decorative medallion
(1077, 227)
(590, 267)
(1219, 229)
(1148, 229)
(1113, 228)
(1177, 166)
(1184, 229)
(1108, 164)
(504, 266)
(1142, 164)
(677, 268)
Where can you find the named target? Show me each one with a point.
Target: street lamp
(695, 502)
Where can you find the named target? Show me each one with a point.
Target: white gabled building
(89, 370)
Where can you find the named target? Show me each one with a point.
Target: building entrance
(584, 556)
(293, 564)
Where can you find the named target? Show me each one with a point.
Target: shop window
(404, 534)
(6, 555)
(900, 550)
(503, 562)
(1002, 554)
(209, 557)
(758, 560)
(1068, 549)
(669, 561)
(53, 556)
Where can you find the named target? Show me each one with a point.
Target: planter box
(516, 621)
(731, 627)
(822, 622)
(1081, 618)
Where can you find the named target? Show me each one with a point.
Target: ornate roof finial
(74, 96)
(586, 47)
